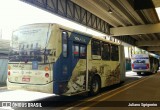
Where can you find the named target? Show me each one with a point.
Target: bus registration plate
(26, 79)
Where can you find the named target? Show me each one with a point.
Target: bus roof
(68, 29)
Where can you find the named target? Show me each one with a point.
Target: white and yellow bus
(144, 63)
(55, 59)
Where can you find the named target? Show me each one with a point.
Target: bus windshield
(29, 43)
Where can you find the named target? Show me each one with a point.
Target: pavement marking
(91, 105)
(107, 93)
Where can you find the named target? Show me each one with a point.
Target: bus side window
(79, 50)
(96, 49)
(76, 50)
(105, 51)
(114, 53)
(82, 51)
(64, 43)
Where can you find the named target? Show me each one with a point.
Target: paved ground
(142, 94)
(3, 88)
(106, 93)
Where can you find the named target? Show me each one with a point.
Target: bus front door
(79, 67)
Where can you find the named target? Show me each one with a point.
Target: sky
(14, 13)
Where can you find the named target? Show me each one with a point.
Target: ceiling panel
(124, 16)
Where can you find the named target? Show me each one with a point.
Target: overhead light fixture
(109, 8)
(158, 12)
(110, 11)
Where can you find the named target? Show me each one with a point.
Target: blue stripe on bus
(60, 77)
(140, 57)
(140, 66)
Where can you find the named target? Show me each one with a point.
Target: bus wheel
(138, 73)
(95, 86)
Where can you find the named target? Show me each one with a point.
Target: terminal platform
(141, 94)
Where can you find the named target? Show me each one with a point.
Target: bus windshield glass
(29, 43)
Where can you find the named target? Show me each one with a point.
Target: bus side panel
(69, 72)
(62, 71)
(77, 82)
(154, 64)
(78, 63)
(109, 71)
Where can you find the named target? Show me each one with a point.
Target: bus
(144, 63)
(51, 58)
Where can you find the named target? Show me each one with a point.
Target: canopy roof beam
(135, 30)
(148, 43)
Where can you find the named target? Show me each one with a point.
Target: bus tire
(95, 86)
(138, 73)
